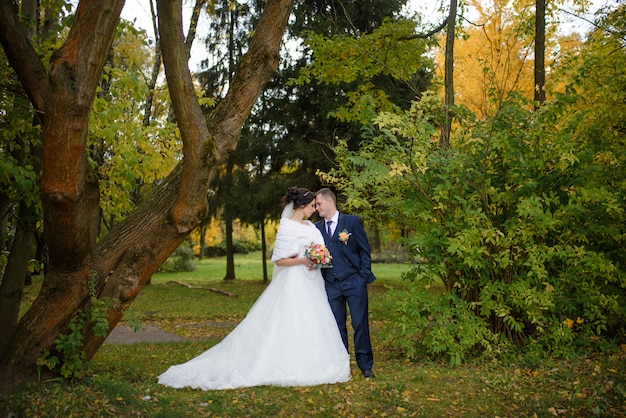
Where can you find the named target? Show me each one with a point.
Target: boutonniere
(344, 236)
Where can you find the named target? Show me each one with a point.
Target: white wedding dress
(288, 338)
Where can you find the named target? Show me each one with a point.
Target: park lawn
(121, 381)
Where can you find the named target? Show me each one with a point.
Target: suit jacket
(350, 256)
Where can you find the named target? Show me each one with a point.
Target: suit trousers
(352, 292)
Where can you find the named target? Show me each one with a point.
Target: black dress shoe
(368, 374)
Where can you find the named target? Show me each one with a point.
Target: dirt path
(123, 334)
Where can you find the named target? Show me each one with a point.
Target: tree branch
(193, 25)
(210, 289)
(22, 56)
(189, 117)
(429, 33)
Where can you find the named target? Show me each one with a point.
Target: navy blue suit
(346, 283)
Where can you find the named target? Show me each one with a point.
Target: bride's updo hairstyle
(299, 196)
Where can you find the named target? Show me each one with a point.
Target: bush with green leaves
(433, 324)
(181, 260)
(521, 220)
(68, 357)
(239, 247)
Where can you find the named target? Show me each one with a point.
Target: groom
(346, 282)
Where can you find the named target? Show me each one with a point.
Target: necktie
(328, 230)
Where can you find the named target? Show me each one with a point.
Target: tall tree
(234, 21)
(290, 133)
(449, 75)
(301, 122)
(540, 52)
(495, 55)
(84, 269)
(20, 149)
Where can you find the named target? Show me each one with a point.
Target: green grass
(122, 378)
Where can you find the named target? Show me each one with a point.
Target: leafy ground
(122, 378)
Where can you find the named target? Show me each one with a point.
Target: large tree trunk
(69, 189)
(120, 263)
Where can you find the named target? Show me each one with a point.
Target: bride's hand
(308, 263)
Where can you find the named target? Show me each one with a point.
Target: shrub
(68, 357)
(180, 261)
(520, 221)
(437, 326)
(239, 247)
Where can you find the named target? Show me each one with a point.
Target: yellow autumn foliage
(494, 55)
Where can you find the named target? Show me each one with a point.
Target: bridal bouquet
(319, 255)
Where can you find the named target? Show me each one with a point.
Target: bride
(290, 336)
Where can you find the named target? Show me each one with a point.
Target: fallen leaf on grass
(556, 412)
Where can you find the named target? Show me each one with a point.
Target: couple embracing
(296, 333)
